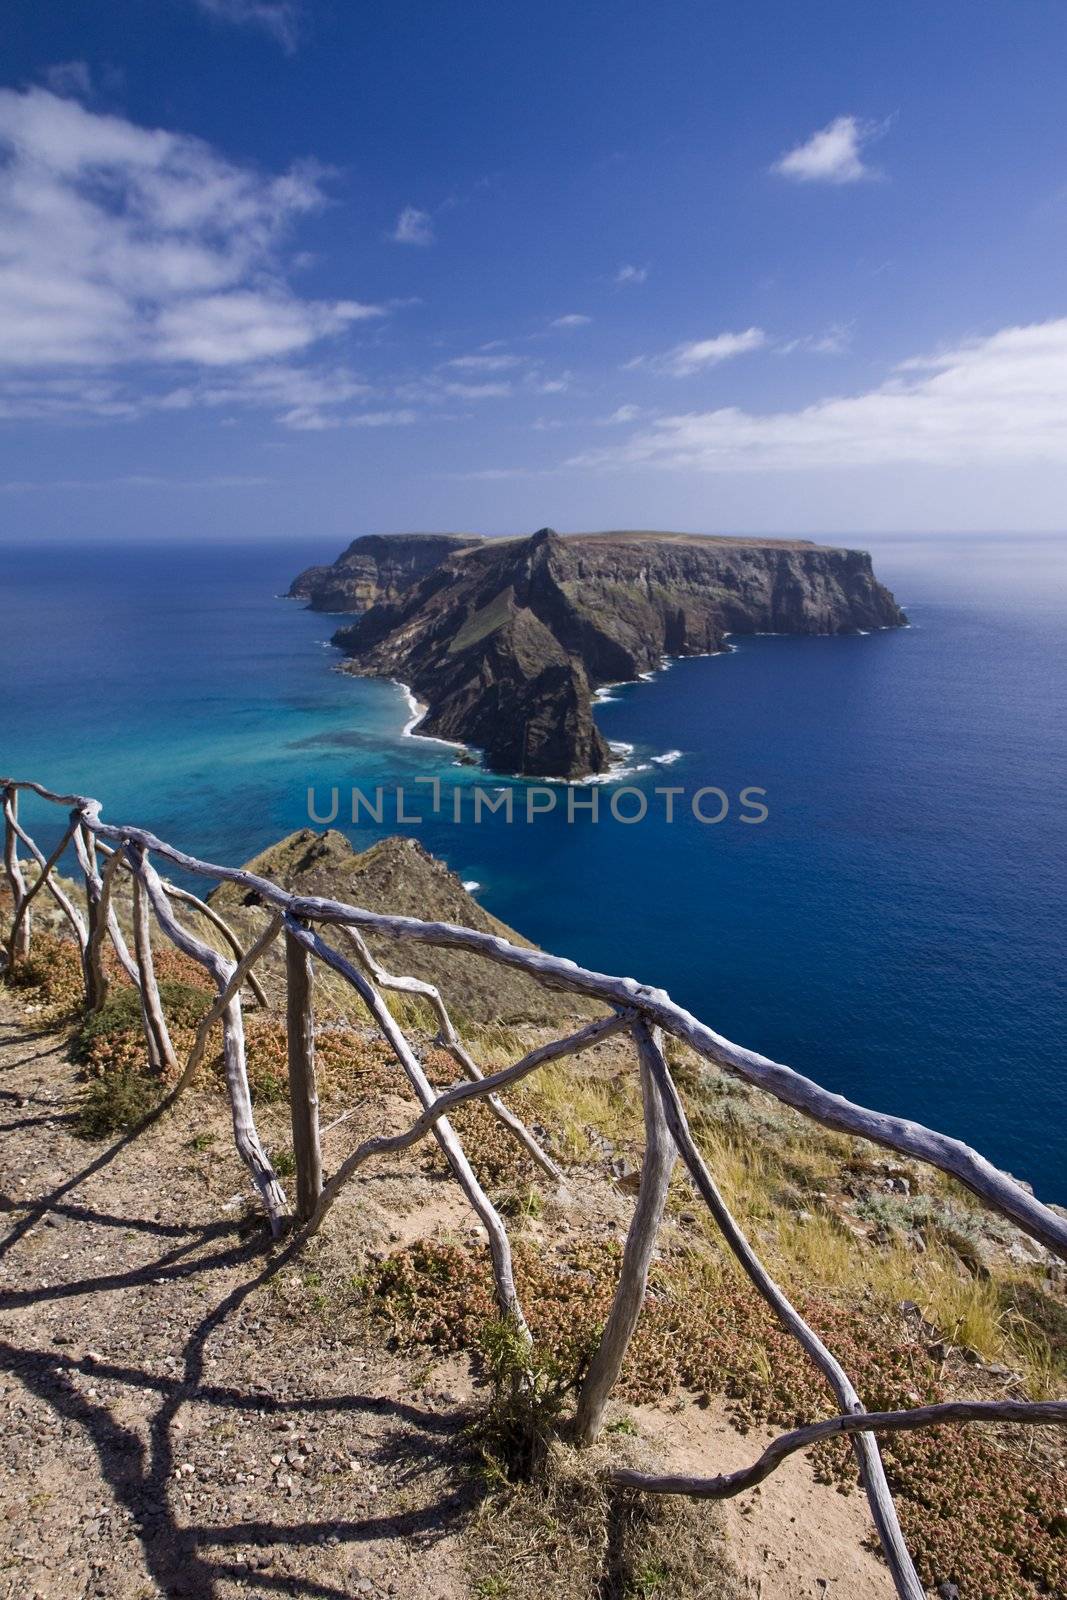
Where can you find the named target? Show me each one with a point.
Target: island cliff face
(505, 640)
(376, 567)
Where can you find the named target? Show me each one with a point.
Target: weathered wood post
(303, 1094)
(96, 978)
(161, 1057)
(637, 1255)
(20, 943)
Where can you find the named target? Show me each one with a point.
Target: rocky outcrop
(505, 639)
(376, 567)
(398, 877)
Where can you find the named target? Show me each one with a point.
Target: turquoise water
(894, 928)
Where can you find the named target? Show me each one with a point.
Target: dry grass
(787, 1180)
(565, 1533)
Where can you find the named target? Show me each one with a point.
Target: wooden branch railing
(645, 1013)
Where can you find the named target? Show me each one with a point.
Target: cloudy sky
(307, 268)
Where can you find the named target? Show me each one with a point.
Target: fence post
(629, 1298)
(161, 1057)
(97, 982)
(303, 1094)
(16, 882)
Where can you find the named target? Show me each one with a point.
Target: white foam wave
(418, 711)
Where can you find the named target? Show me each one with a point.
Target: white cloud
(832, 155)
(698, 354)
(540, 384)
(490, 363)
(628, 273)
(306, 420)
(382, 419)
(620, 416)
(990, 401)
(413, 227)
(573, 319)
(291, 391)
(477, 391)
(50, 399)
(243, 326)
(70, 78)
(275, 385)
(277, 17)
(833, 341)
(123, 246)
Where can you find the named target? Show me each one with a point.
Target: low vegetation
(564, 1532)
(921, 1294)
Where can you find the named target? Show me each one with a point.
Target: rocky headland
(506, 640)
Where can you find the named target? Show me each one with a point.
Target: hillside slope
(398, 876)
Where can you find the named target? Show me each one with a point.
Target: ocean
(895, 927)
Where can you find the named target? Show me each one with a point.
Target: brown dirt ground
(171, 1423)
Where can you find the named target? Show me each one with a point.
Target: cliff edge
(504, 640)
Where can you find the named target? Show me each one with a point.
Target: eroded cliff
(504, 640)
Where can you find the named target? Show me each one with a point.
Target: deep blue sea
(896, 927)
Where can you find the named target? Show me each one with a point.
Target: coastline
(418, 713)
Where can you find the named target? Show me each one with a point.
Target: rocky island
(506, 640)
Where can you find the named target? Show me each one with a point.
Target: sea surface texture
(895, 928)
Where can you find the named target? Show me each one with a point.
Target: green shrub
(116, 1102)
(183, 1006)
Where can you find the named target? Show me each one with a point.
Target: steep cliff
(376, 567)
(505, 639)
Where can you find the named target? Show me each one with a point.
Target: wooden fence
(103, 850)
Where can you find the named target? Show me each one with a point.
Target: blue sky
(317, 268)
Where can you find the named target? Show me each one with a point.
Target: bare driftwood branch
(997, 1189)
(450, 1040)
(872, 1471)
(160, 1050)
(184, 898)
(1034, 1413)
(19, 946)
(445, 1134)
(98, 930)
(625, 1311)
(303, 1092)
(100, 909)
(230, 992)
(456, 1095)
(246, 1138)
(208, 912)
(66, 905)
(22, 910)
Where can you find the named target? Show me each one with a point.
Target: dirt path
(171, 1423)
(159, 1434)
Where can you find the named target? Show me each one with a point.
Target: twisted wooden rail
(645, 1013)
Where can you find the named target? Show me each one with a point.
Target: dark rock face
(375, 568)
(505, 639)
